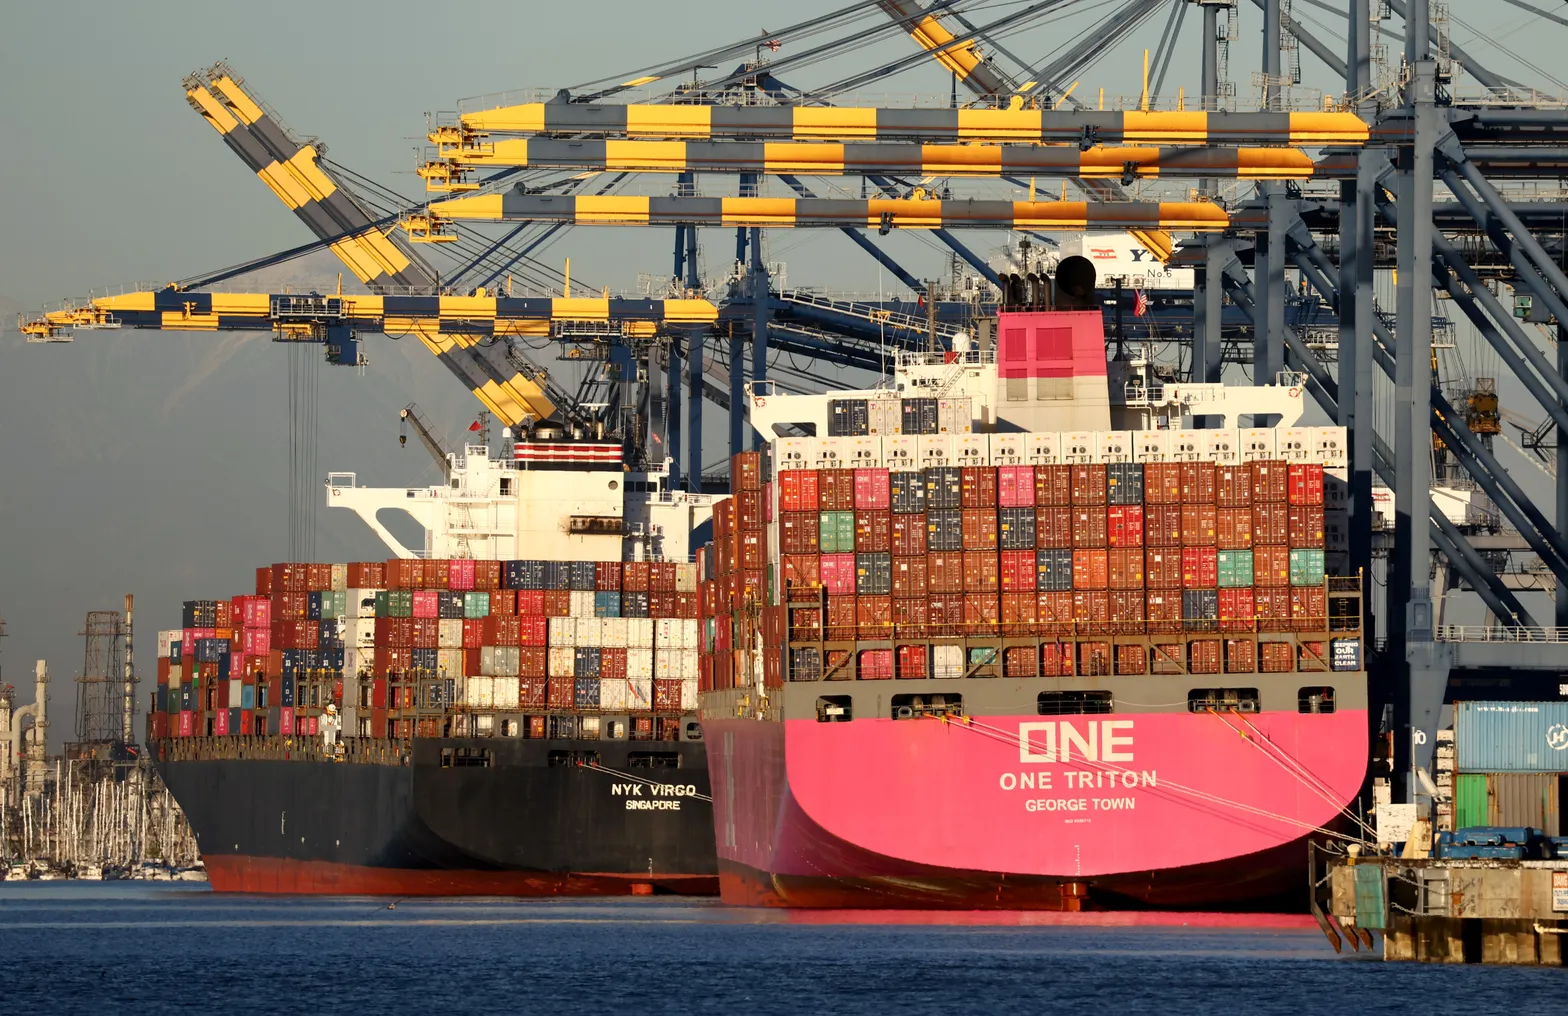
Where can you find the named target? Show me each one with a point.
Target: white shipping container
(689, 693)
(450, 662)
(1256, 443)
(795, 452)
(487, 661)
(639, 663)
(176, 674)
(934, 450)
(1008, 449)
(947, 661)
(691, 633)
(863, 452)
(582, 603)
(954, 416)
(688, 664)
(451, 634)
(563, 631)
(639, 693)
(363, 601)
(1186, 445)
(1078, 446)
(612, 694)
(590, 632)
(236, 690)
(639, 633)
(340, 576)
(561, 661)
(686, 577)
(506, 693)
(1220, 446)
(479, 692)
(1113, 446)
(1150, 446)
(832, 453)
(1330, 446)
(973, 449)
(612, 632)
(1043, 448)
(900, 451)
(667, 633)
(666, 664)
(166, 641)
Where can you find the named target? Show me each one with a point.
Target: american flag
(772, 44)
(1140, 303)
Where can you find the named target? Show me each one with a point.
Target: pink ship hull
(1143, 809)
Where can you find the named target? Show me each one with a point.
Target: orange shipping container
(836, 489)
(1241, 656)
(801, 571)
(1053, 486)
(1162, 483)
(1056, 659)
(1238, 609)
(1088, 484)
(798, 490)
(1269, 481)
(982, 572)
(909, 534)
(1089, 527)
(1054, 610)
(1020, 613)
(1162, 525)
(1019, 661)
(746, 469)
(1234, 529)
(1272, 605)
(1277, 657)
(982, 614)
(1203, 656)
(1199, 525)
(945, 614)
(909, 614)
(1053, 527)
(1271, 522)
(1092, 610)
(1163, 610)
(1308, 608)
(1233, 485)
(873, 531)
(910, 576)
(874, 617)
(1094, 659)
(1162, 568)
(977, 487)
(945, 571)
(1305, 526)
(1091, 569)
(1197, 482)
(1125, 569)
(1131, 660)
(1127, 611)
(1168, 658)
(979, 529)
(1271, 565)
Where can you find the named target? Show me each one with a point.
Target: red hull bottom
(1269, 881)
(232, 873)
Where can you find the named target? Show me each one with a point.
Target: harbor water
(132, 948)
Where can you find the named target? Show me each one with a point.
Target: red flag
(474, 426)
(1140, 304)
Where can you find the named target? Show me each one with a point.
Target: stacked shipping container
(1505, 763)
(437, 648)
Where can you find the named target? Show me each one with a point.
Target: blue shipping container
(1511, 737)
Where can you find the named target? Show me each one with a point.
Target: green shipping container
(476, 605)
(1235, 569)
(334, 604)
(1306, 567)
(400, 603)
(836, 532)
(1470, 801)
(383, 604)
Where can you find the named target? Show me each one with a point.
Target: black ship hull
(492, 816)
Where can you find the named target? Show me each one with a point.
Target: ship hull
(530, 823)
(890, 814)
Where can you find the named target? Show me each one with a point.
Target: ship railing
(1500, 633)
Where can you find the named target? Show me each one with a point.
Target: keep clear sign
(1345, 654)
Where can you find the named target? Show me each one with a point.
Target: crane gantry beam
(455, 163)
(513, 206)
(950, 126)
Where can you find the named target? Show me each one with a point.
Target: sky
(157, 464)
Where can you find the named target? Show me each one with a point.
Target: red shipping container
(561, 692)
(1089, 527)
(909, 613)
(557, 602)
(487, 575)
(1241, 656)
(290, 606)
(874, 617)
(1203, 656)
(1271, 522)
(1168, 658)
(1269, 481)
(533, 693)
(873, 532)
(220, 723)
(1124, 525)
(291, 578)
(1308, 608)
(1053, 527)
(530, 602)
(1200, 567)
(474, 632)
(256, 612)
(1162, 483)
(841, 618)
(1020, 613)
(909, 534)
(1094, 659)
(1162, 525)
(1131, 660)
(532, 661)
(367, 575)
(1056, 659)
(838, 574)
(320, 576)
(1088, 484)
(635, 576)
(662, 604)
(982, 572)
(1054, 610)
(1234, 529)
(438, 573)
(1019, 661)
(607, 576)
(1199, 525)
(1018, 571)
(801, 571)
(1015, 486)
(911, 662)
(508, 631)
(875, 665)
(256, 641)
(911, 576)
(1091, 569)
(1272, 604)
(1271, 565)
(1092, 610)
(1127, 607)
(612, 664)
(503, 602)
(296, 634)
(661, 577)
(1162, 568)
(427, 603)
(746, 468)
(798, 490)
(977, 487)
(872, 489)
(982, 614)
(1312, 658)
(225, 614)
(1238, 609)
(945, 571)
(1197, 482)
(460, 575)
(531, 631)
(836, 490)
(390, 660)
(979, 529)
(799, 533)
(945, 614)
(1053, 486)
(1162, 610)
(1304, 484)
(748, 509)
(1305, 526)
(1233, 485)
(264, 581)
(1276, 657)
(753, 551)
(1124, 568)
